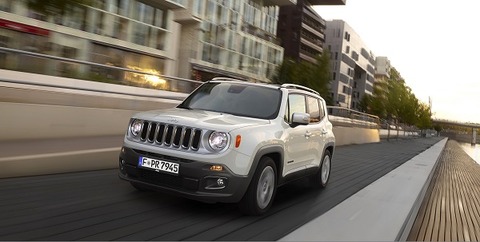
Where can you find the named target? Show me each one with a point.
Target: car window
(296, 104)
(235, 98)
(322, 109)
(313, 109)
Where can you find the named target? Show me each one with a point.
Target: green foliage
(438, 128)
(55, 7)
(392, 98)
(315, 76)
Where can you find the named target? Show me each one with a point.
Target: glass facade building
(196, 39)
(122, 33)
(234, 38)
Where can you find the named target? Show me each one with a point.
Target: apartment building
(123, 33)
(301, 29)
(189, 39)
(382, 68)
(230, 38)
(353, 64)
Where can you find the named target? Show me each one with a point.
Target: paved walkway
(451, 208)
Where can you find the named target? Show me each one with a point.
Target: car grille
(171, 135)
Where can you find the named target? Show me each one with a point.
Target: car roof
(237, 81)
(289, 86)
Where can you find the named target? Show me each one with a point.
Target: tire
(261, 191)
(321, 178)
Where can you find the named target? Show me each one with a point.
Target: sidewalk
(383, 211)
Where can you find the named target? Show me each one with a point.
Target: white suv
(231, 141)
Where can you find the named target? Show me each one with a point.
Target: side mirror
(300, 119)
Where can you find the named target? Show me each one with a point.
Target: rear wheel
(261, 191)
(321, 178)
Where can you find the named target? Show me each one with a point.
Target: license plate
(159, 165)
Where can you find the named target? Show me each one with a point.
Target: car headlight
(136, 127)
(218, 140)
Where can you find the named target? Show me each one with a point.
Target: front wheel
(321, 178)
(261, 191)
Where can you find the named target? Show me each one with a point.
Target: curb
(382, 211)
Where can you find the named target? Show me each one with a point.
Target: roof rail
(226, 79)
(295, 86)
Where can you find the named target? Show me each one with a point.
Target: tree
(392, 98)
(424, 119)
(313, 75)
(55, 7)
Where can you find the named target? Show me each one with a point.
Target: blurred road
(97, 205)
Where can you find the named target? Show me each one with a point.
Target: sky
(434, 44)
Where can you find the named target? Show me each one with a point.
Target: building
(188, 39)
(301, 30)
(130, 34)
(353, 65)
(229, 38)
(382, 68)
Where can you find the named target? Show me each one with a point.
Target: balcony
(185, 16)
(166, 4)
(327, 2)
(280, 2)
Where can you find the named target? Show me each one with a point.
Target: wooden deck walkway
(451, 208)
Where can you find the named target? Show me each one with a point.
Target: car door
(316, 129)
(295, 138)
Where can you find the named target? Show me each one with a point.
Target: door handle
(308, 134)
(324, 131)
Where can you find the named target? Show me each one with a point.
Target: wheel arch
(330, 147)
(275, 153)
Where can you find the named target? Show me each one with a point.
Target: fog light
(215, 183)
(216, 168)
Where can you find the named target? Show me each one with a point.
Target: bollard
(474, 136)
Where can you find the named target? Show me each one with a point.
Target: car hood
(200, 119)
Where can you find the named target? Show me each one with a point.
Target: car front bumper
(195, 179)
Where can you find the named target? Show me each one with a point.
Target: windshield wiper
(184, 107)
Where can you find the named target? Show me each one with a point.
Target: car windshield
(236, 99)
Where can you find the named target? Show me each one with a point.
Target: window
(296, 104)
(235, 99)
(321, 110)
(313, 109)
(5, 5)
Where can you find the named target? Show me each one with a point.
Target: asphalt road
(97, 205)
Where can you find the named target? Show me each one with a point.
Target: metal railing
(32, 62)
(347, 117)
